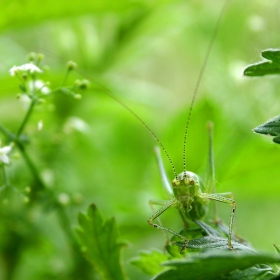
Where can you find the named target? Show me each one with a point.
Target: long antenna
(201, 72)
(108, 92)
(143, 123)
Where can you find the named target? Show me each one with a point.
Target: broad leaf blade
(213, 238)
(269, 66)
(99, 243)
(272, 54)
(216, 265)
(213, 243)
(271, 127)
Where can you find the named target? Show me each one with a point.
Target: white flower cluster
(25, 67)
(37, 85)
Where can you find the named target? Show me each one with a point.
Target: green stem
(6, 180)
(26, 118)
(65, 78)
(7, 133)
(40, 185)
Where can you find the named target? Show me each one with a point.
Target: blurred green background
(148, 54)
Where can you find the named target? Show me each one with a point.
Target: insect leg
(173, 202)
(221, 198)
(159, 202)
(226, 194)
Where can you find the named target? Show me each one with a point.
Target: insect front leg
(159, 202)
(223, 198)
(173, 202)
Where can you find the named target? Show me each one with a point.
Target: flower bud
(71, 65)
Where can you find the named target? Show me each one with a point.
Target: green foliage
(271, 127)
(150, 262)
(211, 237)
(15, 202)
(216, 261)
(214, 243)
(99, 244)
(148, 53)
(224, 265)
(270, 66)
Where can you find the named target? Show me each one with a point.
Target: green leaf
(267, 67)
(99, 243)
(210, 231)
(213, 242)
(219, 265)
(221, 230)
(271, 127)
(150, 262)
(214, 239)
(261, 272)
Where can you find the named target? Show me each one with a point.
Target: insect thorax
(187, 187)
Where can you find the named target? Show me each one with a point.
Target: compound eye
(191, 181)
(175, 182)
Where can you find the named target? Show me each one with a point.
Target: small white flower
(13, 70)
(3, 154)
(39, 85)
(25, 67)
